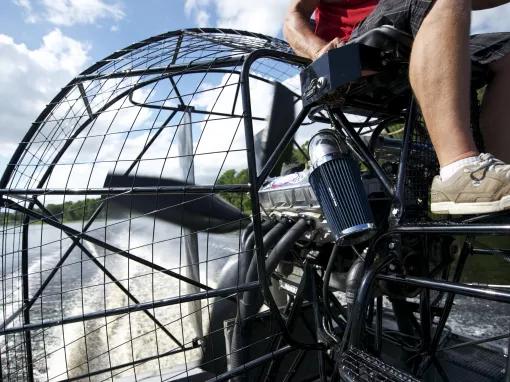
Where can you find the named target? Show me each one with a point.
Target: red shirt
(339, 19)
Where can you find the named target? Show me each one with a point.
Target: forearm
(299, 34)
(486, 4)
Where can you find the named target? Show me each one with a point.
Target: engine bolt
(391, 245)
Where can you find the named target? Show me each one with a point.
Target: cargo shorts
(407, 15)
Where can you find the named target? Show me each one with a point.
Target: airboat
(204, 205)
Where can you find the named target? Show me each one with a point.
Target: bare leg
(495, 114)
(440, 73)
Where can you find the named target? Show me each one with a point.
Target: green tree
(74, 211)
(240, 200)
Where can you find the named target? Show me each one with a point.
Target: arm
(485, 4)
(299, 34)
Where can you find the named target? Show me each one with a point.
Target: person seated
(440, 70)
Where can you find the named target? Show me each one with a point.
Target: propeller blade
(184, 140)
(192, 270)
(196, 212)
(280, 119)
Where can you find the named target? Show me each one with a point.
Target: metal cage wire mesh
(93, 287)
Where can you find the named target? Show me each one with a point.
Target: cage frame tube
(175, 69)
(409, 128)
(26, 297)
(291, 317)
(459, 269)
(255, 184)
(197, 189)
(490, 294)
(454, 229)
(355, 322)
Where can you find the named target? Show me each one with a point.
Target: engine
(342, 206)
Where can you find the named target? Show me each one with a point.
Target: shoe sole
(452, 208)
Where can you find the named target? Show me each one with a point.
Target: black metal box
(331, 71)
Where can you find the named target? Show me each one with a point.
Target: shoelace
(488, 163)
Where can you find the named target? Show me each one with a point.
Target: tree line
(66, 211)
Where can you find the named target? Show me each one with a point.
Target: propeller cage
(336, 181)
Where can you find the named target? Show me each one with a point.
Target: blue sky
(137, 19)
(45, 43)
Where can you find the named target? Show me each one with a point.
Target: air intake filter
(336, 181)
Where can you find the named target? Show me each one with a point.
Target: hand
(335, 43)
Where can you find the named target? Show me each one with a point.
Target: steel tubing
(445, 286)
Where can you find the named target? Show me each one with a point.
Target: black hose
(286, 244)
(272, 239)
(275, 235)
(353, 282)
(247, 244)
(283, 246)
(245, 256)
(247, 231)
(248, 234)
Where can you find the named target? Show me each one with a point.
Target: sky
(45, 43)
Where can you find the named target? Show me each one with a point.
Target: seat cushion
(387, 38)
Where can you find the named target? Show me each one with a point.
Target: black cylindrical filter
(336, 181)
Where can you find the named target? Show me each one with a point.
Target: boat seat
(369, 75)
(387, 38)
(388, 91)
(338, 74)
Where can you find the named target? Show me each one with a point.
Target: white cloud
(70, 12)
(30, 16)
(491, 20)
(199, 10)
(202, 18)
(29, 79)
(263, 16)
